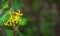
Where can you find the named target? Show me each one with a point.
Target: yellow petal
(16, 22)
(15, 17)
(12, 20)
(21, 14)
(6, 24)
(10, 23)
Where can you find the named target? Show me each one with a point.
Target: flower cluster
(14, 18)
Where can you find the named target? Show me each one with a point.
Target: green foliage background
(32, 24)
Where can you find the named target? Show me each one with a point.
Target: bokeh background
(43, 17)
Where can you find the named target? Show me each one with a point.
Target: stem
(14, 29)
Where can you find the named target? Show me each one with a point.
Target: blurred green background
(40, 17)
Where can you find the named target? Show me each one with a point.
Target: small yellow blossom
(14, 17)
(5, 24)
(10, 23)
(21, 14)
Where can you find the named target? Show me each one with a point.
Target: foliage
(11, 18)
(16, 21)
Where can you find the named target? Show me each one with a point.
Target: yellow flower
(21, 14)
(12, 20)
(5, 24)
(10, 23)
(14, 17)
(16, 22)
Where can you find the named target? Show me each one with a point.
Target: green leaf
(4, 18)
(7, 9)
(1, 11)
(17, 5)
(23, 21)
(9, 32)
(3, 0)
(5, 4)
